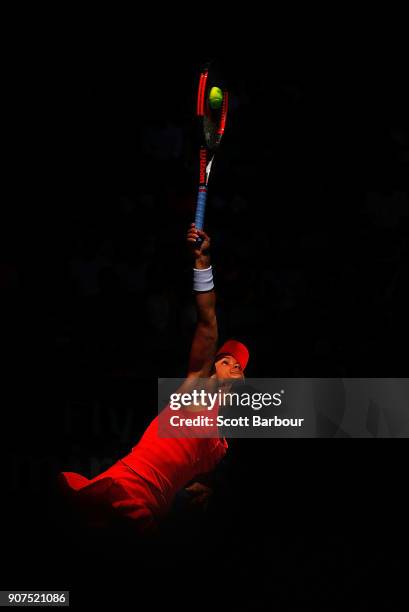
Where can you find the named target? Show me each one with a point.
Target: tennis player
(140, 488)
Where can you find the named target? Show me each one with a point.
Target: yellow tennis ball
(215, 97)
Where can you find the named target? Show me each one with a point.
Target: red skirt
(118, 493)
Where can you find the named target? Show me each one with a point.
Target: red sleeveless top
(169, 463)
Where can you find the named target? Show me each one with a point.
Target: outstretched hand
(198, 249)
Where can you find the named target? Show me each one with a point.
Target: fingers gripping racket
(212, 121)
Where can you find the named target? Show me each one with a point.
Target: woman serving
(140, 488)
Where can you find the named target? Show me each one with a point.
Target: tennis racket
(212, 123)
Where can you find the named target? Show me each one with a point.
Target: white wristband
(203, 279)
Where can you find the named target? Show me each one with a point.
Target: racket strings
(211, 132)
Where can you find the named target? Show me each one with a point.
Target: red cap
(237, 350)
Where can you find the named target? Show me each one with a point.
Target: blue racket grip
(200, 207)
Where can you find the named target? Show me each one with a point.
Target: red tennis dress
(141, 487)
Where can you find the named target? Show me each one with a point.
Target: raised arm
(204, 344)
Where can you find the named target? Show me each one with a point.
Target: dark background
(308, 213)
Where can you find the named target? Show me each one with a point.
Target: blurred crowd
(308, 219)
